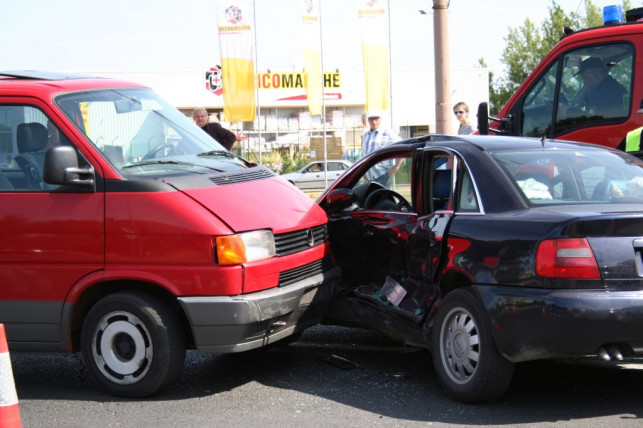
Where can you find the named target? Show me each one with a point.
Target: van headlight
(245, 247)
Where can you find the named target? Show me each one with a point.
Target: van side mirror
(507, 123)
(61, 167)
(483, 119)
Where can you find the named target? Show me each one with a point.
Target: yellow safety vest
(633, 140)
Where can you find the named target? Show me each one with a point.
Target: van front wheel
(132, 344)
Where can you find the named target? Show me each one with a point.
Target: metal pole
(323, 97)
(390, 67)
(258, 104)
(442, 81)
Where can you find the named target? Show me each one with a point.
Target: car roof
(494, 143)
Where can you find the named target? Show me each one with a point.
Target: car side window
(468, 200)
(386, 186)
(441, 183)
(26, 134)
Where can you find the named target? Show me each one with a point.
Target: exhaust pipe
(615, 353)
(611, 353)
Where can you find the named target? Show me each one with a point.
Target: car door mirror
(61, 167)
(340, 199)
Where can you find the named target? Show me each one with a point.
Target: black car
(492, 251)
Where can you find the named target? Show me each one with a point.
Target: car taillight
(566, 258)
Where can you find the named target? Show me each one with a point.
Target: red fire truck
(588, 88)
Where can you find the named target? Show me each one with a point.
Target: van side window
(584, 87)
(25, 135)
(595, 86)
(537, 113)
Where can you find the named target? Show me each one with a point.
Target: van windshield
(139, 133)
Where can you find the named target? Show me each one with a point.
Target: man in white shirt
(376, 138)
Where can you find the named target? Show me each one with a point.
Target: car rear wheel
(132, 344)
(465, 357)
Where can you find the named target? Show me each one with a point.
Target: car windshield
(140, 134)
(557, 176)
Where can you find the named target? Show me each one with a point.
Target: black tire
(472, 371)
(133, 344)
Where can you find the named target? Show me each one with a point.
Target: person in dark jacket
(225, 137)
(601, 94)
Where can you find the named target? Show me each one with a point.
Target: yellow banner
(236, 34)
(373, 17)
(312, 55)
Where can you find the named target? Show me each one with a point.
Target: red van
(129, 234)
(588, 88)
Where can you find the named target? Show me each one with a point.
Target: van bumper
(225, 324)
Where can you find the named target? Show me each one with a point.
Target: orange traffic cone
(9, 413)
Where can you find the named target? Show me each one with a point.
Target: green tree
(496, 92)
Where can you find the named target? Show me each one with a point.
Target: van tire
(465, 357)
(132, 344)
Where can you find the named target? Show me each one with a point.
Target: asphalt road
(331, 377)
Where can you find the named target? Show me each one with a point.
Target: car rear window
(558, 176)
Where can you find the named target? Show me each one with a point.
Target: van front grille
(300, 240)
(302, 272)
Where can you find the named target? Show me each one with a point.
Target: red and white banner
(373, 18)
(235, 19)
(312, 55)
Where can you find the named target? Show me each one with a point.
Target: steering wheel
(162, 151)
(386, 199)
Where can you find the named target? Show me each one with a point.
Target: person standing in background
(461, 111)
(377, 136)
(225, 137)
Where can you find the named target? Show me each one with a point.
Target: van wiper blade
(223, 153)
(159, 162)
(171, 162)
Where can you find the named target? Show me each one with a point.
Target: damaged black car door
(389, 240)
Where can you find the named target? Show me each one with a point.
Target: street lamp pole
(442, 81)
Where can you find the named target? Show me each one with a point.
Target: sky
(167, 35)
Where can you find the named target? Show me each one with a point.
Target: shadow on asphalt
(365, 370)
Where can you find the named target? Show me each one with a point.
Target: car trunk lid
(617, 243)
(615, 234)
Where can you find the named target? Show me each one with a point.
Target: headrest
(442, 183)
(32, 137)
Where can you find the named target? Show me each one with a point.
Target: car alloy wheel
(459, 345)
(465, 357)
